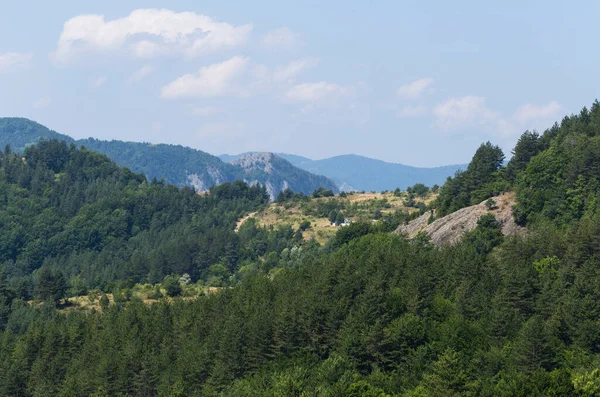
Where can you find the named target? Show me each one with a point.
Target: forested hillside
(367, 314)
(175, 164)
(74, 211)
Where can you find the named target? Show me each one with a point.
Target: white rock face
(347, 188)
(196, 182)
(260, 161)
(450, 229)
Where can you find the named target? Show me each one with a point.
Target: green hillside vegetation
(367, 314)
(319, 218)
(162, 161)
(174, 164)
(75, 212)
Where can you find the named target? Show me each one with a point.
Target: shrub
(172, 286)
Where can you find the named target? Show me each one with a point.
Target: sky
(411, 82)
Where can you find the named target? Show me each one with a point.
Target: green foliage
(491, 204)
(74, 210)
(561, 182)
(104, 302)
(322, 192)
(527, 147)
(50, 285)
(419, 190)
(481, 180)
(587, 384)
(172, 286)
(370, 314)
(305, 225)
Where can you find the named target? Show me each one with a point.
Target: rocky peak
(256, 161)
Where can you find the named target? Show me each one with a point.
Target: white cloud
(412, 111)
(281, 38)
(289, 72)
(239, 77)
(141, 74)
(317, 92)
(531, 112)
(415, 89)
(203, 110)
(14, 60)
(457, 112)
(219, 79)
(98, 82)
(147, 33)
(42, 103)
(470, 111)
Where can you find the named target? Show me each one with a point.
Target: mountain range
(176, 164)
(352, 172)
(184, 166)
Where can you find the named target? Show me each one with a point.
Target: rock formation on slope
(278, 174)
(450, 229)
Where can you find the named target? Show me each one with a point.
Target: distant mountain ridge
(176, 164)
(354, 172)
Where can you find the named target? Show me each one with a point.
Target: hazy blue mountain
(353, 172)
(20, 132)
(176, 164)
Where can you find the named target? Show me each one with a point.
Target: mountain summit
(278, 174)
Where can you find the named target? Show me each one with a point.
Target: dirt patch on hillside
(450, 229)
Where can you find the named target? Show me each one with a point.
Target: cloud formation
(317, 92)
(282, 38)
(236, 77)
(289, 72)
(472, 111)
(457, 112)
(219, 79)
(148, 33)
(532, 112)
(415, 89)
(141, 74)
(10, 61)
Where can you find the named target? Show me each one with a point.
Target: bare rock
(450, 229)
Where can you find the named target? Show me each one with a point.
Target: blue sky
(419, 83)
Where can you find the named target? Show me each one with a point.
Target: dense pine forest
(367, 314)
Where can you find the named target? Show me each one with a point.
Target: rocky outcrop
(256, 162)
(278, 174)
(450, 229)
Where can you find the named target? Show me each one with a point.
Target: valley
(213, 216)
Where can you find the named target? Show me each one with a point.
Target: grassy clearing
(366, 207)
(144, 292)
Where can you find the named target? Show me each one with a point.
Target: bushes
(172, 286)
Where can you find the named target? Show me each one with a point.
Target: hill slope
(278, 174)
(353, 172)
(451, 228)
(368, 314)
(176, 164)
